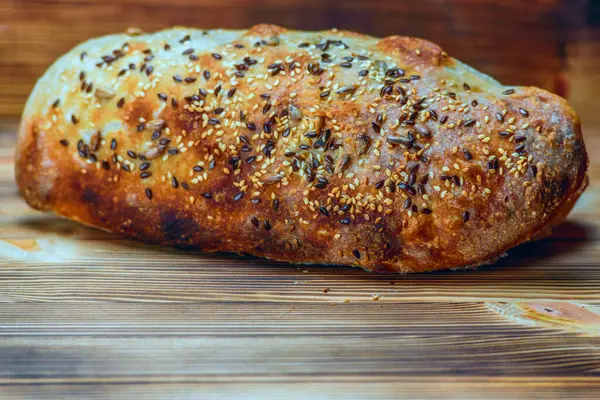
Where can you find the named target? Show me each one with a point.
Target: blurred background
(554, 44)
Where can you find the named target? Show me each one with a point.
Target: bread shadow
(53, 225)
(552, 259)
(553, 250)
(565, 239)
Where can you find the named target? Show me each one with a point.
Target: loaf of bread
(324, 147)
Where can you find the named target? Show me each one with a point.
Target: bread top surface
(331, 147)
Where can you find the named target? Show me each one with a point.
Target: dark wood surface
(87, 314)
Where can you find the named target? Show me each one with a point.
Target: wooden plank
(144, 279)
(142, 358)
(244, 319)
(328, 387)
(239, 319)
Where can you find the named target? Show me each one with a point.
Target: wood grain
(86, 314)
(329, 387)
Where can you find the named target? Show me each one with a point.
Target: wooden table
(86, 314)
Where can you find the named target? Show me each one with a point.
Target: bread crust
(416, 165)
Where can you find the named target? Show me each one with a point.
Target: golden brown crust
(328, 147)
